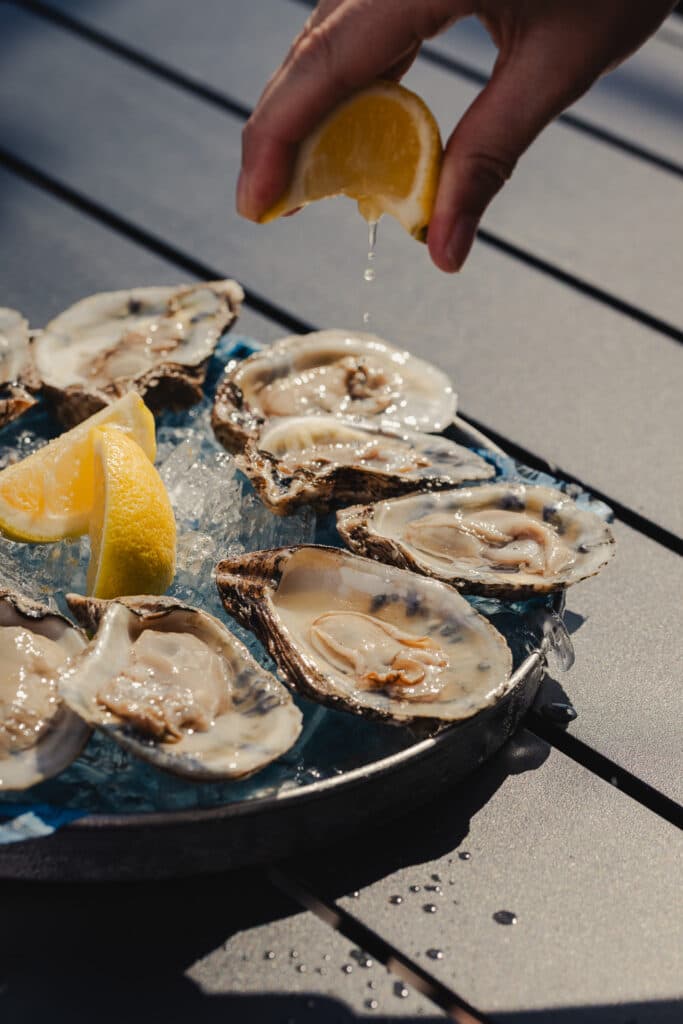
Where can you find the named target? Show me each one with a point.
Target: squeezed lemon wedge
(132, 528)
(49, 496)
(381, 147)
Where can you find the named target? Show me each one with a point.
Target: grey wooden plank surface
(639, 101)
(551, 369)
(192, 950)
(626, 630)
(592, 877)
(588, 208)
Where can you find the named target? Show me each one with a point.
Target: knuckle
(490, 170)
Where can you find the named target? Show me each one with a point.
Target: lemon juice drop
(369, 272)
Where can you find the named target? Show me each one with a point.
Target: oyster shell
(39, 735)
(334, 371)
(174, 686)
(502, 539)
(15, 366)
(156, 341)
(365, 637)
(322, 460)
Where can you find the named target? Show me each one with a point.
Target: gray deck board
(567, 200)
(188, 950)
(538, 362)
(587, 872)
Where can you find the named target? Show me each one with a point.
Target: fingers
(344, 47)
(524, 94)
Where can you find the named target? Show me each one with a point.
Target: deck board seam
(235, 108)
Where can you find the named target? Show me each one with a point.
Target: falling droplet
(396, 900)
(435, 954)
(269, 955)
(369, 274)
(464, 855)
(559, 712)
(429, 908)
(415, 888)
(505, 917)
(400, 990)
(366, 318)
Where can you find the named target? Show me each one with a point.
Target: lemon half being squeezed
(381, 147)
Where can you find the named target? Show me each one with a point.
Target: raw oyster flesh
(156, 341)
(174, 686)
(504, 539)
(15, 373)
(39, 735)
(326, 460)
(334, 371)
(365, 637)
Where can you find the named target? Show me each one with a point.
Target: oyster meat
(503, 539)
(325, 460)
(175, 687)
(15, 366)
(334, 371)
(156, 341)
(365, 637)
(39, 735)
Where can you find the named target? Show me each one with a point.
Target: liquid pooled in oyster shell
(29, 699)
(507, 540)
(352, 385)
(172, 683)
(305, 446)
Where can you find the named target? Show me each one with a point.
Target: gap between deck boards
(242, 111)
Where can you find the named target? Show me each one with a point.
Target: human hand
(549, 53)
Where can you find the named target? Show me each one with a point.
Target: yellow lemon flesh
(132, 530)
(381, 147)
(49, 495)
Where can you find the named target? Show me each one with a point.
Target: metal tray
(260, 828)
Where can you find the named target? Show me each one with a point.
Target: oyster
(503, 539)
(175, 687)
(39, 735)
(334, 371)
(365, 637)
(156, 341)
(322, 460)
(15, 372)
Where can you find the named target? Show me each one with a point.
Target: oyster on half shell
(503, 539)
(327, 460)
(156, 341)
(15, 366)
(365, 637)
(171, 684)
(331, 372)
(39, 735)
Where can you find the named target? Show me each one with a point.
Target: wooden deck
(120, 127)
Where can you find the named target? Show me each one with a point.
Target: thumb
(524, 94)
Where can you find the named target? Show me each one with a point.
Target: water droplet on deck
(294, 954)
(355, 894)
(465, 855)
(433, 888)
(436, 878)
(429, 908)
(371, 984)
(415, 888)
(301, 968)
(347, 969)
(559, 712)
(396, 900)
(505, 917)
(371, 1004)
(435, 954)
(400, 990)
(269, 955)
(327, 957)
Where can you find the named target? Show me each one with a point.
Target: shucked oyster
(15, 373)
(502, 539)
(323, 460)
(156, 341)
(39, 736)
(367, 638)
(337, 372)
(174, 686)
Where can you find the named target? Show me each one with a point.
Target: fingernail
(460, 242)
